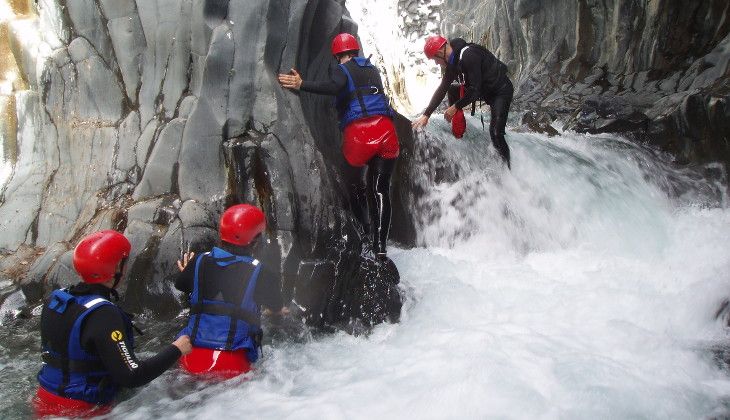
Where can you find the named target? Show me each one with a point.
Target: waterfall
(580, 284)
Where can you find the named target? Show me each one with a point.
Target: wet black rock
(539, 122)
(152, 117)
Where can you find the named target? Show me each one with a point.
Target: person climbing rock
(88, 342)
(226, 287)
(370, 141)
(484, 78)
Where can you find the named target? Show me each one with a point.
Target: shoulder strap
(461, 53)
(195, 295)
(248, 303)
(195, 298)
(60, 298)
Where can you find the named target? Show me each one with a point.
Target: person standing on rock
(484, 77)
(366, 120)
(87, 341)
(226, 288)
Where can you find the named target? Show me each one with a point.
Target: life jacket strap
(225, 310)
(359, 92)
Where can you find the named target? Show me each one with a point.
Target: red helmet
(97, 255)
(241, 223)
(433, 44)
(344, 42)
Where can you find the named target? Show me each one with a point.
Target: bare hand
(187, 257)
(290, 81)
(449, 113)
(183, 344)
(420, 121)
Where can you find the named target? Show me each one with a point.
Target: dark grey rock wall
(151, 117)
(658, 70)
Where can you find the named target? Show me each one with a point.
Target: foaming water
(582, 284)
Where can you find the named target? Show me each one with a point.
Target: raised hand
(186, 258)
(290, 81)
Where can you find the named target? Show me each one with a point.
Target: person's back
(493, 71)
(88, 342)
(483, 76)
(226, 287)
(369, 138)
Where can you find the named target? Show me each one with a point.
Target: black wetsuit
(219, 287)
(485, 78)
(373, 179)
(96, 338)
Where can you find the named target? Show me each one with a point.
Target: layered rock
(151, 117)
(658, 70)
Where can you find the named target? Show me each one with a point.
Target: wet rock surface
(153, 117)
(656, 71)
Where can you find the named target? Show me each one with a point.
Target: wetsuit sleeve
(105, 335)
(184, 280)
(471, 64)
(333, 86)
(440, 93)
(268, 290)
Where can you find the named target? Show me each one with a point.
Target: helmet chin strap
(117, 279)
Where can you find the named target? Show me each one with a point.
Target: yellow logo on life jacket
(117, 335)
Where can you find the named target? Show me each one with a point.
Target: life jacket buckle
(59, 301)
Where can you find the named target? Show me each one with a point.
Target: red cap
(241, 223)
(96, 257)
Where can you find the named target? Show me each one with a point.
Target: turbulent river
(581, 284)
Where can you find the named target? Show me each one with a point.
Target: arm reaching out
(290, 81)
(420, 121)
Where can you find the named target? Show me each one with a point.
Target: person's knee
(496, 131)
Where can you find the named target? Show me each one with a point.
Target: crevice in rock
(127, 105)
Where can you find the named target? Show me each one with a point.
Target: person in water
(226, 287)
(87, 341)
(370, 141)
(485, 78)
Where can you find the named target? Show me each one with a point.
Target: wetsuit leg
(358, 196)
(500, 108)
(379, 173)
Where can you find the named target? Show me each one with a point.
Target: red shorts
(221, 364)
(46, 404)
(369, 137)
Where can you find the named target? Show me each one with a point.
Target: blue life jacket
(364, 96)
(216, 324)
(68, 370)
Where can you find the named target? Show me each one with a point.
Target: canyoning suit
(485, 78)
(88, 353)
(369, 138)
(225, 321)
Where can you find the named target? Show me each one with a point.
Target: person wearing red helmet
(88, 342)
(484, 77)
(226, 287)
(369, 141)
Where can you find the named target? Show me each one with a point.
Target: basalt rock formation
(151, 117)
(657, 71)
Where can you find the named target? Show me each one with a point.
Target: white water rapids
(571, 287)
(581, 284)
